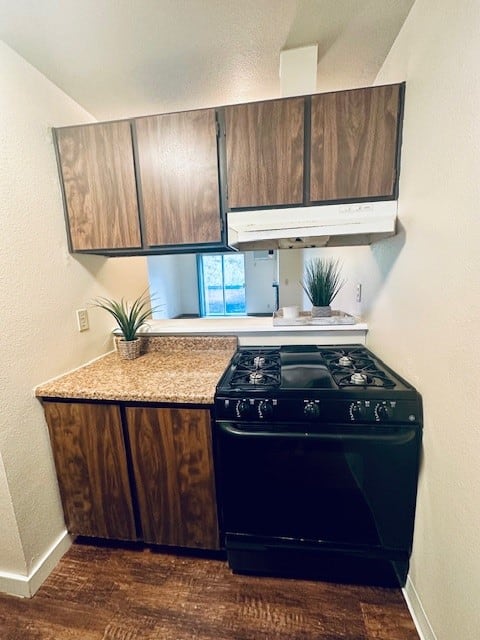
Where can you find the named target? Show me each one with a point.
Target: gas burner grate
(256, 369)
(261, 360)
(250, 379)
(366, 377)
(355, 368)
(346, 357)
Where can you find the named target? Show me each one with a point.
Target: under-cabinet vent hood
(333, 225)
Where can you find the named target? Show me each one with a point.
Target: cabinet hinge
(217, 128)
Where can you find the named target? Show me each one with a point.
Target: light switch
(82, 320)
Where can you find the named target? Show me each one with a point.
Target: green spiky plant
(129, 316)
(322, 281)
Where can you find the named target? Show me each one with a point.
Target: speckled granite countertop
(171, 369)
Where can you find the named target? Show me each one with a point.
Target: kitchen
(407, 281)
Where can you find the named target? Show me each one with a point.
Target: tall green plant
(129, 316)
(322, 281)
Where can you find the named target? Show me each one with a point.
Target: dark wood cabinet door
(173, 465)
(178, 166)
(98, 175)
(90, 459)
(354, 143)
(264, 148)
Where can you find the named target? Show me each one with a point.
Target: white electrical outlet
(82, 320)
(358, 292)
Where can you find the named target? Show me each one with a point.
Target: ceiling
(122, 58)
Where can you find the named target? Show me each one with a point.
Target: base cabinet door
(91, 464)
(173, 467)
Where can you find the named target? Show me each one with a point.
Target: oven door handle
(397, 437)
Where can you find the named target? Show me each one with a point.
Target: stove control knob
(265, 409)
(383, 413)
(357, 411)
(311, 409)
(243, 408)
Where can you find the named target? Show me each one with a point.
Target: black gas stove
(317, 455)
(304, 382)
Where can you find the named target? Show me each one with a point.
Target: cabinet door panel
(172, 459)
(91, 465)
(177, 157)
(265, 153)
(354, 142)
(98, 174)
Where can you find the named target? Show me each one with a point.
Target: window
(221, 284)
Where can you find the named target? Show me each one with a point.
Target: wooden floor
(128, 594)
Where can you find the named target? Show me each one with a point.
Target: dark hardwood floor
(110, 593)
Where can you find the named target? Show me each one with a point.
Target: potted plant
(130, 317)
(322, 281)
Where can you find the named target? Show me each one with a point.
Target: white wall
(290, 273)
(260, 273)
(165, 287)
(426, 298)
(41, 285)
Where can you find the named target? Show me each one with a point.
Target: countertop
(171, 369)
(237, 325)
(253, 330)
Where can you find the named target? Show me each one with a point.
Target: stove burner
(369, 377)
(359, 378)
(256, 380)
(354, 367)
(256, 369)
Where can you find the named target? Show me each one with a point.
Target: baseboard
(26, 586)
(417, 612)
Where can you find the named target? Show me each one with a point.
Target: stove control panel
(249, 409)
(317, 410)
(243, 409)
(311, 408)
(384, 411)
(374, 411)
(266, 409)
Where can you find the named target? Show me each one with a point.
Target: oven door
(341, 487)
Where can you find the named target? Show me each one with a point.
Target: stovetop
(291, 382)
(301, 367)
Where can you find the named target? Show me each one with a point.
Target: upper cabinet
(265, 150)
(159, 194)
(354, 144)
(178, 168)
(98, 175)
(164, 183)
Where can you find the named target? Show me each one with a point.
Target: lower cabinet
(150, 461)
(91, 462)
(173, 466)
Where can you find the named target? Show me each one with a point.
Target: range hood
(334, 225)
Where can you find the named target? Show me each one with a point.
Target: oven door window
(331, 487)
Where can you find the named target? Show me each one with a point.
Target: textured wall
(41, 285)
(424, 320)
